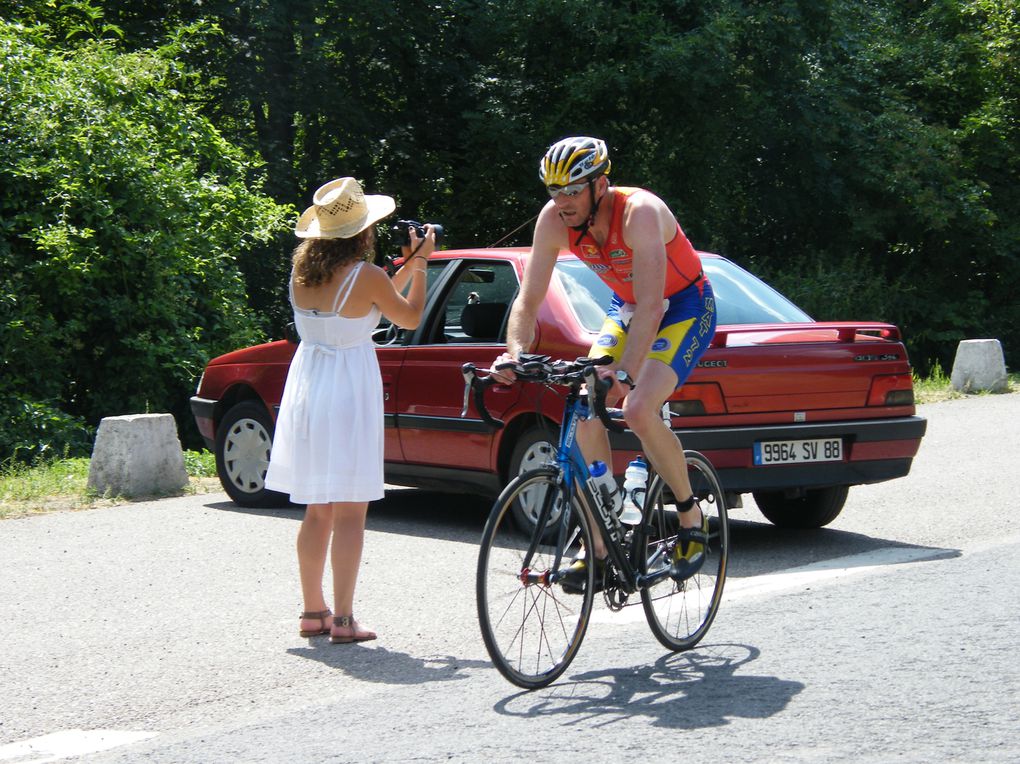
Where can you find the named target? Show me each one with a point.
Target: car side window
(477, 303)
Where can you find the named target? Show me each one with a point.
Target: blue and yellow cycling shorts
(684, 334)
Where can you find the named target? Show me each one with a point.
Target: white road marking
(68, 743)
(827, 570)
(800, 577)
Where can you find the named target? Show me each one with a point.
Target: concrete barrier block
(137, 455)
(979, 365)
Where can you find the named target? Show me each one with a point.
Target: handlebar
(540, 369)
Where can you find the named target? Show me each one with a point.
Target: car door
(466, 323)
(391, 343)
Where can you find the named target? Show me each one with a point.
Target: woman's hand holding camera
(419, 247)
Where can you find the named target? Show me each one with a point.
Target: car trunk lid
(779, 368)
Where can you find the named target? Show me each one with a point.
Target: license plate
(798, 451)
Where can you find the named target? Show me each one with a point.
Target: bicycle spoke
(531, 627)
(680, 612)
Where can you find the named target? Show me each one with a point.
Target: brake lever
(592, 380)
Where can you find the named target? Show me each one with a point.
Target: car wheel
(815, 508)
(244, 440)
(534, 448)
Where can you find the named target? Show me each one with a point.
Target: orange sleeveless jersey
(614, 261)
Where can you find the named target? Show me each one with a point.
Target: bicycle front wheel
(680, 612)
(533, 624)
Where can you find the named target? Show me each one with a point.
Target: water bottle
(603, 486)
(635, 481)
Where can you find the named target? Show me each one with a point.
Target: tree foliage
(861, 155)
(123, 217)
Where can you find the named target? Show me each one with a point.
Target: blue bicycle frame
(573, 472)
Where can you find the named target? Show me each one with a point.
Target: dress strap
(346, 287)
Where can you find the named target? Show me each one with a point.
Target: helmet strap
(595, 202)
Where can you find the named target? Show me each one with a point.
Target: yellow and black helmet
(574, 159)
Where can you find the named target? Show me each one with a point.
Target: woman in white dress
(328, 445)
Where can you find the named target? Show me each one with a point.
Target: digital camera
(402, 236)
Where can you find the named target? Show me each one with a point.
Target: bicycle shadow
(379, 664)
(690, 690)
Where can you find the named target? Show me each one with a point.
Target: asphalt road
(167, 632)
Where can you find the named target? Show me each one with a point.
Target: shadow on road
(377, 664)
(294, 512)
(689, 690)
(756, 547)
(451, 516)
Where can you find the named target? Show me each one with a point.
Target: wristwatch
(624, 378)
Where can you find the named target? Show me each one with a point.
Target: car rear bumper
(874, 451)
(204, 411)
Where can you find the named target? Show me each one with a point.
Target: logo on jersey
(589, 251)
(661, 345)
(599, 268)
(616, 254)
(606, 341)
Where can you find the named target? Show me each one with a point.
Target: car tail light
(698, 399)
(892, 390)
(899, 398)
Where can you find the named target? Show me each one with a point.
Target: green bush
(32, 431)
(122, 219)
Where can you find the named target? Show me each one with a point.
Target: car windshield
(741, 298)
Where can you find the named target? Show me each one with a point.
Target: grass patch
(200, 464)
(62, 484)
(937, 387)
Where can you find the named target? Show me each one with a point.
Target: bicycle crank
(616, 598)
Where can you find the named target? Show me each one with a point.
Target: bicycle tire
(680, 613)
(531, 627)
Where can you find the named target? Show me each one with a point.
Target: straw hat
(341, 209)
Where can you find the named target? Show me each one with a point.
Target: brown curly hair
(315, 260)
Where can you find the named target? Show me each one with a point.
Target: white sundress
(328, 444)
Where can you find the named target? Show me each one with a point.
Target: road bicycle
(533, 613)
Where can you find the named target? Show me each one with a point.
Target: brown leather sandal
(347, 622)
(323, 616)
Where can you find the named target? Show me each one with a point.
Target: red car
(790, 410)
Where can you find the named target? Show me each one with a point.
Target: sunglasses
(572, 190)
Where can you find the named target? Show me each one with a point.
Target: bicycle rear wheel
(680, 612)
(532, 628)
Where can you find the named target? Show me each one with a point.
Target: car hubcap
(537, 455)
(246, 455)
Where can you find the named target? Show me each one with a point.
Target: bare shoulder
(645, 212)
(373, 277)
(372, 271)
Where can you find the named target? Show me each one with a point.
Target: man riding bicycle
(659, 323)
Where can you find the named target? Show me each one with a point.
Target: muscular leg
(643, 411)
(594, 442)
